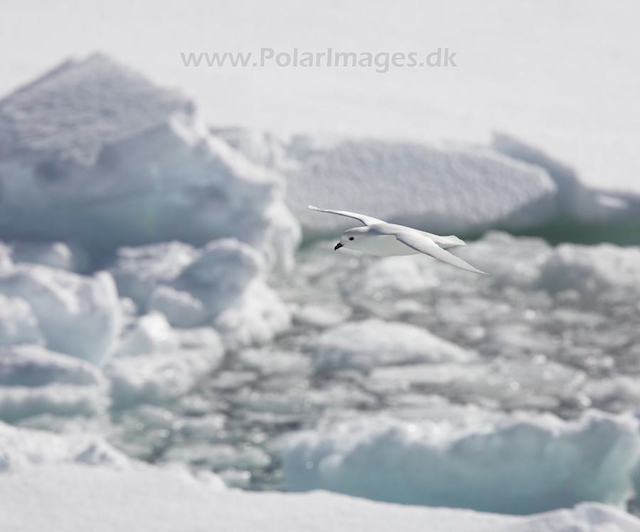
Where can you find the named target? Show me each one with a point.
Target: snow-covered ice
(180, 307)
(450, 190)
(150, 333)
(138, 271)
(440, 188)
(18, 323)
(77, 315)
(372, 343)
(22, 449)
(157, 366)
(200, 344)
(165, 500)
(92, 152)
(35, 381)
(518, 71)
(221, 285)
(404, 338)
(83, 480)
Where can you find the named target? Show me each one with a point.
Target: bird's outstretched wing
(362, 218)
(425, 245)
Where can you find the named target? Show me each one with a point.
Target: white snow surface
(89, 486)
(81, 498)
(524, 465)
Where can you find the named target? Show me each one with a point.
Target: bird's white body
(383, 239)
(382, 246)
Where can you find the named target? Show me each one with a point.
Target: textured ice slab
(524, 465)
(36, 381)
(57, 113)
(222, 284)
(76, 315)
(371, 343)
(508, 185)
(165, 500)
(93, 152)
(440, 189)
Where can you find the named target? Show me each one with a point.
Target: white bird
(383, 239)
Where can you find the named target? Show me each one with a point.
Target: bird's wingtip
(313, 208)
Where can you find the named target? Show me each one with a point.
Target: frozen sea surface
(399, 362)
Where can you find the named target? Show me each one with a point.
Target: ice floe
(441, 188)
(368, 344)
(221, 285)
(92, 152)
(167, 370)
(523, 465)
(35, 381)
(77, 315)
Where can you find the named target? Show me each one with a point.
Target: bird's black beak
(338, 246)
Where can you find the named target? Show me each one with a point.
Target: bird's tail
(450, 241)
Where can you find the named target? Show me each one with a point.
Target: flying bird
(383, 239)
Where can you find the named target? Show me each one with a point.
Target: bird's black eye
(350, 238)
